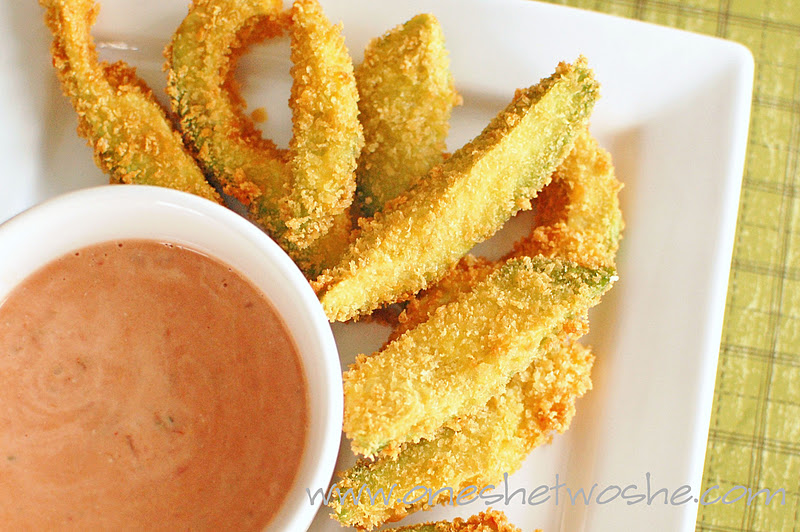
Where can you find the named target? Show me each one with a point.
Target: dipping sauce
(145, 386)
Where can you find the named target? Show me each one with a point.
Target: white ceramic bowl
(79, 219)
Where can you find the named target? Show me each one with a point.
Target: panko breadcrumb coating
(468, 350)
(271, 182)
(118, 115)
(577, 218)
(406, 95)
(464, 200)
(326, 134)
(210, 112)
(495, 440)
(577, 215)
(467, 272)
(489, 521)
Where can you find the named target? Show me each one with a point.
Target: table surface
(754, 437)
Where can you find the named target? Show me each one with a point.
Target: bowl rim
(111, 204)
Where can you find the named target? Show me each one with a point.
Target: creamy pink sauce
(145, 386)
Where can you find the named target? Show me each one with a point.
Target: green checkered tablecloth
(754, 439)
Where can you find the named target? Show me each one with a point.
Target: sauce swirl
(145, 385)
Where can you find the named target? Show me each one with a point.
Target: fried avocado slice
(326, 133)
(495, 440)
(223, 138)
(117, 113)
(461, 278)
(200, 64)
(450, 365)
(578, 218)
(326, 251)
(489, 521)
(406, 96)
(578, 215)
(464, 200)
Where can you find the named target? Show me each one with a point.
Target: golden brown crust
(300, 196)
(480, 448)
(489, 521)
(463, 201)
(406, 96)
(255, 30)
(326, 133)
(132, 139)
(578, 215)
(200, 63)
(469, 271)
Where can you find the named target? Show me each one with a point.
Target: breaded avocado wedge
(464, 200)
(450, 365)
(406, 95)
(118, 115)
(494, 440)
(300, 196)
(210, 113)
(578, 218)
(326, 133)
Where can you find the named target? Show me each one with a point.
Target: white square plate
(674, 115)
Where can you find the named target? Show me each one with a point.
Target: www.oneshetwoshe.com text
(557, 493)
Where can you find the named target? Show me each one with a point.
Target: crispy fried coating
(406, 96)
(267, 180)
(467, 272)
(464, 200)
(489, 521)
(578, 216)
(118, 115)
(537, 402)
(326, 134)
(450, 365)
(326, 251)
(199, 61)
